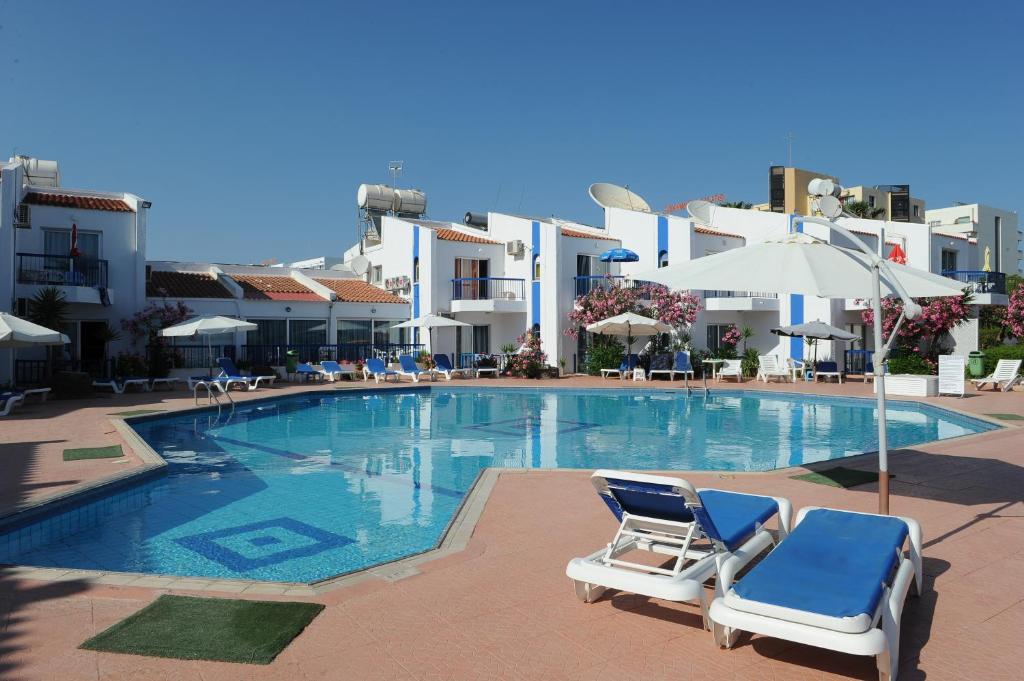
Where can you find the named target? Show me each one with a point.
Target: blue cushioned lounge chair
(308, 371)
(837, 582)
(699, 528)
(628, 364)
(681, 365)
(232, 375)
(379, 370)
(444, 367)
(335, 371)
(409, 368)
(9, 400)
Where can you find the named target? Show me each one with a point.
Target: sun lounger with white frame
(1005, 376)
(407, 367)
(42, 393)
(9, 400)
(229, 371)
(120, 386)
(731, 368)
(768, 367)
(443, 366)
(626, 367)
(668, 516)
(169, 381)
(379, 370)
(335, 371)
(837, 582)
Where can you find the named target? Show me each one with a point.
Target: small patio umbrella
(627, 324)
(429, 322)
(898, 255)
(817, 330)
(16, 332)
(619, 255)
(207, 326)
(74, 241)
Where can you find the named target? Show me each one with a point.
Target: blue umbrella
(619, 255)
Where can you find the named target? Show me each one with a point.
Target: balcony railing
(488, 288)
(740, 294)
(275, 355)
(979, 282)
(587, 283)
(61, 270)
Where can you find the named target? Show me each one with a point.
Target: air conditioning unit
(23, 217)
(515, 248)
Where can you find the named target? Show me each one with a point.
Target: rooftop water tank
(410, 201)
(39, 172)
(378, 197)
(475, 219)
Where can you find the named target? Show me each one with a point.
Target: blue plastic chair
(378, 369)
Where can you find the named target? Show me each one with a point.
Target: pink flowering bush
(531, 361)
(732, 336)
(144, 326)
(922, 336)
(1013, 316)
(675, 308)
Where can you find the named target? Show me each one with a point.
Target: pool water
(302, 488)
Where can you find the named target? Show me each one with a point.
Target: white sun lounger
(43, 393)
(119, 388)
(837, 582)
(169, 381)
(1006, 375)
(768, 367)
(733, 368)
(10, 400)
(668, 516)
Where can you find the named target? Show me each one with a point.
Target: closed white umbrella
(207, 326)
(818, 330)
(800, 263)
(16, 332)
(430, 322)
(629, 324)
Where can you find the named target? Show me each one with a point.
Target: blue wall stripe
(535, 286)
(662, 236)
(796, 306)
(415, 285)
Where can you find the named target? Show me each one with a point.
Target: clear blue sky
(250, 125)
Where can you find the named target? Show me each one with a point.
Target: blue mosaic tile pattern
(302, 488)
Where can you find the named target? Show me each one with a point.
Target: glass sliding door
(267, 344)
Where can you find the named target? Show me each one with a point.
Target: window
(591, 266)
(948, 260)
(472, 272)
(416, 268)
(268, 332)
(382, 332)
(715, 333)
(482, 340)
(663, 259)
(536, 268)
(307, 331)
(871, 201)
(354, 332)
(377, 275)
(962, 220)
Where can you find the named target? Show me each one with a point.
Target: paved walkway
(503, 608)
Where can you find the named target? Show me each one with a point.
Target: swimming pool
(301, 488)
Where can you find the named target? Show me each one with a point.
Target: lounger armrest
(897, 594)
(739, 558)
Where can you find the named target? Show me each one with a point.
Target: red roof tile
(711, 232)
(260, 287)
(185, 285)
(585, 235)
(455, 235)
(78, 201)
(358, 291)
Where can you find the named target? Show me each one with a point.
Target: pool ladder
(689, 390)
(212, 395)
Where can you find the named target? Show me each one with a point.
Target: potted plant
(561, 366)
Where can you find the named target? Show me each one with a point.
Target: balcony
(988, 288)
(488, 294)
(590, 282)
(82, 280)
(741, 301)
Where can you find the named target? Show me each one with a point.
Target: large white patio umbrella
(430, 322)
(207, 326)
(16, 332)
(629, 324)
(800, 263)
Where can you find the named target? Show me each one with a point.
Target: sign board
(951, 375)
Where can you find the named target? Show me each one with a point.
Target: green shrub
(749, 362)
(606, 354)
(910, 364)
(993, 355)
(989, 337)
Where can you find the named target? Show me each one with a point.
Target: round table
(714, 366)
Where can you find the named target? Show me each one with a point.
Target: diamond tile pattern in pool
(302, 488)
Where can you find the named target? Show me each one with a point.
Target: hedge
(993, 355)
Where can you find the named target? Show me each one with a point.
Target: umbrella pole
(883, 445)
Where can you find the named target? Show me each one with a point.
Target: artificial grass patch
(840, 477)
(1007, 417)
(218, 629)
(136, 412)
(111, 452)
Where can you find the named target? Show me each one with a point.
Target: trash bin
(976, 363)
(291, 361)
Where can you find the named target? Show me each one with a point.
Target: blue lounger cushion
(834, 564)
(728, 516)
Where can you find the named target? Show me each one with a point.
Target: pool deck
(502, 608)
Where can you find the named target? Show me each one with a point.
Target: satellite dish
(701, 211)
(360, 265)
(830, 207)
(613, 196)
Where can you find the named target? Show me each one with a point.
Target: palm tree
(48, 308)
(862, 209)
(736, 204)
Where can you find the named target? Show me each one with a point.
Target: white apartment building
(104, 283)
(995, 229)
